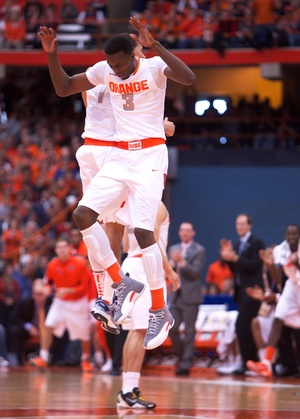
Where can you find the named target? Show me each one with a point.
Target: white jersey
(100, 123)
(281, 253)
(143, 93)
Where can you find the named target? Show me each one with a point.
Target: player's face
(122, 65)
(292, 235)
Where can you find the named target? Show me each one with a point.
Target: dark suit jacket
(248, 269)
(190, 274)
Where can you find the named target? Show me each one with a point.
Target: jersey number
(128, 105)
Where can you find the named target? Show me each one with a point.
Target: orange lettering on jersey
(128, 88)
(135, 87)
(122, 89)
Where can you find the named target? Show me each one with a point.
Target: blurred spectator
(22, 273)
(245, 29)
(91, 18)
(264, 23)
(190, 31)
(9, 293)
(286, 132)
(228, 26)
(4, 364)
(11, 241)
(27, 320)
(14, 29)
(265, 135)
(212, 289)
(68, 12)
(218, 272)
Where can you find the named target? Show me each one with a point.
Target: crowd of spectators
(178, 24)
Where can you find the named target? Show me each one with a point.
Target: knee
(84, 217)
(145, 238)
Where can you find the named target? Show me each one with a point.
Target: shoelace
(154, 321)
(118, 295)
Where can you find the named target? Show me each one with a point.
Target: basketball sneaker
(104, 314)
(263, 368)
(134, 400)
(37, 361)
(126, 294)
(160, 322)
(87, 366)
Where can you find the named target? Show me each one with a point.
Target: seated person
(218, 272)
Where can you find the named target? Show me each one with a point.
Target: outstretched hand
(48, 39)
(145, 38)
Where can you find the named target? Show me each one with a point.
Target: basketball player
(133, 351)
(286, 257)
(100, 124)
(68, 276)
(138, 164)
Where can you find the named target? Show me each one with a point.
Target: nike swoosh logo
(154, 170)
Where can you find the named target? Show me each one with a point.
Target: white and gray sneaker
(160, 322)
(104, 314)
(126, 294)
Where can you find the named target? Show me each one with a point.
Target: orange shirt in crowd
(264, 11)
(15, 31)
(73, 273)
(12, 240)
(217, 272)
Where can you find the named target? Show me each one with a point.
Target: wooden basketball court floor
(66, 392)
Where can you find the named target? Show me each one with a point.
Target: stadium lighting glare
(220, 105)
(201, 106)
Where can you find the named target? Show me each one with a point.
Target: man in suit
(244, 261)
(25, 322)
(187, 258)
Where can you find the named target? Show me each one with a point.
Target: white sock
(130, 381)
(99, 358)
(261, 353)
(44, 354)
(85, 356)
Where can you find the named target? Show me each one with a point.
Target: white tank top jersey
(133, 247)
(100, 123)
(137, 102)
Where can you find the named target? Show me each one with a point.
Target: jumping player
(138, 165)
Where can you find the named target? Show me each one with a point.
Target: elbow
(190, 79)
(61, 93)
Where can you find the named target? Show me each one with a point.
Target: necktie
(241, 247)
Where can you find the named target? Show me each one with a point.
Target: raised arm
(64, 84)
(177, 70)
